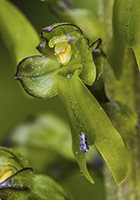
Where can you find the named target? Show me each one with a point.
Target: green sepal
(10, 157)
(37, 75)
(59, 29)
(86, 115)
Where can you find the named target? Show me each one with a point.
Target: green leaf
(126, 32)
(17, 32)
(123, 119)
(10, 157)
(37, 75)
(86, 115)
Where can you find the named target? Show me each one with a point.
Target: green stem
(107, 18)
(126, 91)
(129, 190)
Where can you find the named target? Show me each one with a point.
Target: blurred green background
(16, 106)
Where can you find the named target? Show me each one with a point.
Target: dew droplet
(76, 115)
(68, 76)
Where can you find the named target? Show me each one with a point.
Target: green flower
(18, 182)
(15, 175)
(67, 63)
(62, 44)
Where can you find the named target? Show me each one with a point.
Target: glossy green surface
(86, 115)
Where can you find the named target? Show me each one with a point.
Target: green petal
(86, 115)
(88, 74)
(98, 57)
(37, 75)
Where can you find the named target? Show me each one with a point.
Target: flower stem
(129, 190)
(126, 91)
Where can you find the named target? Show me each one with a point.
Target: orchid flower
(68, 63)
